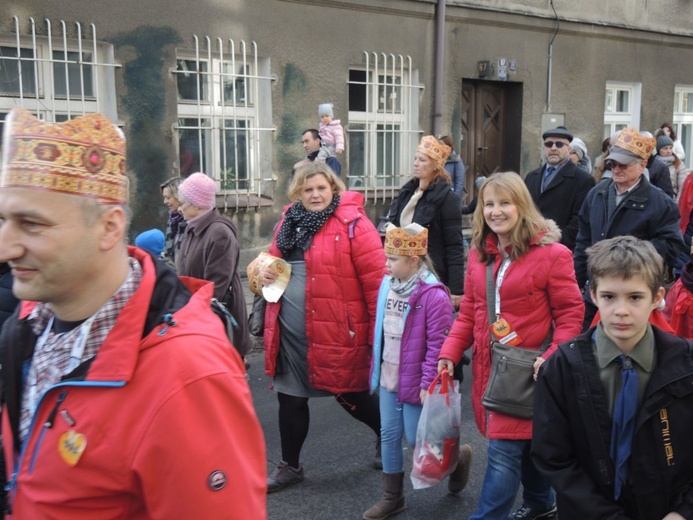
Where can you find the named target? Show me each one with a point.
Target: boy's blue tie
(624, 422)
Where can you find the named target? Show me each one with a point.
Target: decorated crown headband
(401, 243)
(84, 156)
(634, 142)
(436, 150)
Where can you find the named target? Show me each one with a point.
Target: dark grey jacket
(646, 213)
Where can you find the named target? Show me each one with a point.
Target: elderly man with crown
(122, 397)
(626, 204)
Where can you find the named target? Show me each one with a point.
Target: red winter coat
(679, 309)
(165, 411)
(538, 289)
(344, 266)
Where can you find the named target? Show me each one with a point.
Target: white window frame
(614, 119)
(49, 49)
(683, 119)
(396, 125)
(211, 62)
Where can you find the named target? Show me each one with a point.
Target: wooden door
(483, 129)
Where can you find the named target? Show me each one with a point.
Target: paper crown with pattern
(633, 142)
(436, 150)
(84, 156)
(411, 240)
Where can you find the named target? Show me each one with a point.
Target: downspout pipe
(550, 67)
(438, 74)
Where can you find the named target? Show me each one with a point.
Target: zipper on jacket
(169, 321)
(11, 488)
(46, 426)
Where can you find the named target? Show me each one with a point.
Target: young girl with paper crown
(413, 317)
(331, 133)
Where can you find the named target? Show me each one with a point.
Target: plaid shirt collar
(105, 317)
(52, 358)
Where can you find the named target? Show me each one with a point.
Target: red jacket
(344, 266)
(679, 310)
(538, 289)
(165, 413)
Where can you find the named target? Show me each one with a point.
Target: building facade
(226, 87)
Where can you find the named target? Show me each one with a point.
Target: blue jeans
(509, 463)
(396, 419)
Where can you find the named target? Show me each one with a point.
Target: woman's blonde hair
(529, 225)
(172, 184)
(311, 170)
(440, 171)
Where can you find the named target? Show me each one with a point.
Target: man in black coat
(559, 187)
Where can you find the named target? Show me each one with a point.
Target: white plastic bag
(438, 433)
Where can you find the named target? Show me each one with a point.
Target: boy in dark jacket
(613, 408)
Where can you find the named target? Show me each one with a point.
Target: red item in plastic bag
(438, 434)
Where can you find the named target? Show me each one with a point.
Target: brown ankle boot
(459, 478)
(392, 501)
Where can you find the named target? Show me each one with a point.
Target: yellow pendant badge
(71, 446)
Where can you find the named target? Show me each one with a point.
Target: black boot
(392, 501)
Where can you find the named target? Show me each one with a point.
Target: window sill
(242, 201)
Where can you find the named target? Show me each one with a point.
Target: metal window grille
(57, 71)
(224, 112)
(383, 123)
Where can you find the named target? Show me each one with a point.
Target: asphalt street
(337, 457)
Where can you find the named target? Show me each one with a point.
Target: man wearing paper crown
(107, 410)
(626, 204)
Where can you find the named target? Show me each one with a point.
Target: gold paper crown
(83, 156)
(257, 266)
(634, 142)
(401, 243)
(436, 150)
(254, 271)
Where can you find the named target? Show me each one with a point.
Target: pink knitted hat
(199, 190)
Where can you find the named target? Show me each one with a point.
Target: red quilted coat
(344, 266)
(538, 289)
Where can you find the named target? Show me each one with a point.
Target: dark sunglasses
(558, 144)
(612, 164)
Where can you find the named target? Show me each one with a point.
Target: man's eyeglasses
(557, 144)
(613, 164)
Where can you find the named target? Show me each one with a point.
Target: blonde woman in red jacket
(536, 292)
(318, 336)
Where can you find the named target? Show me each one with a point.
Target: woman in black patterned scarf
(318, 335)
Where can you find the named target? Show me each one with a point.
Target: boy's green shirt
(606, 352)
